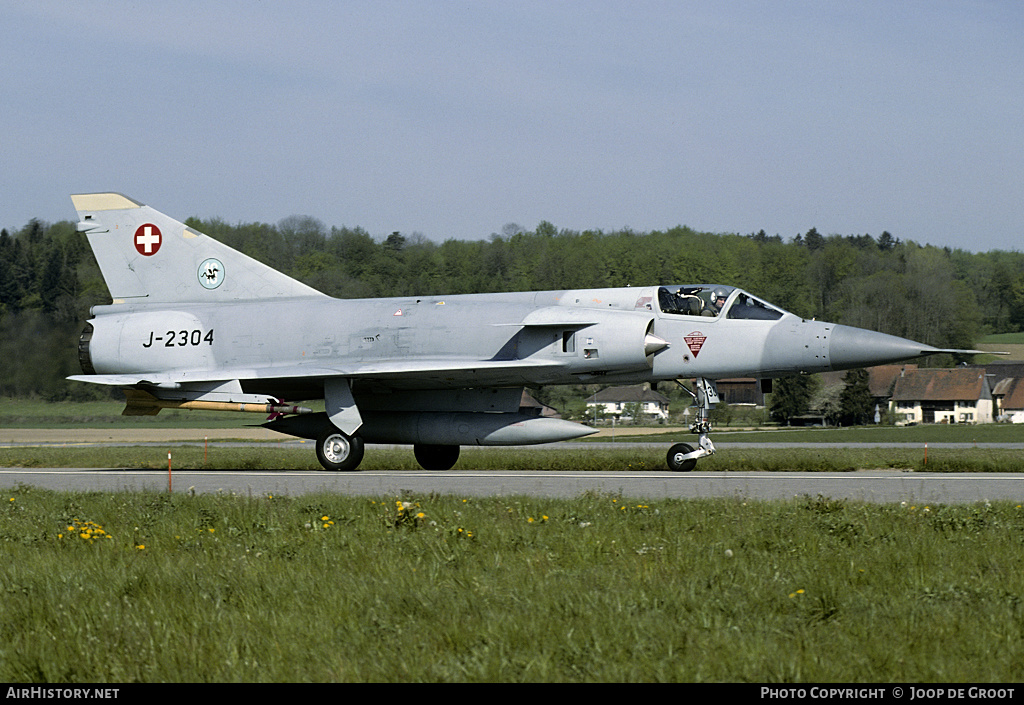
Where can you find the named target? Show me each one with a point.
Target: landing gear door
(709, 389)
(341, 407)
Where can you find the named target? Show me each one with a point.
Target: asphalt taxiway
(878, 486)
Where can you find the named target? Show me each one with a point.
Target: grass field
(148, 587)
(145, 587)
(37, 414)
(929, 433)
(1015, 338)
(604, 457)
(605, 453)
(34, 413)
(1011, 343)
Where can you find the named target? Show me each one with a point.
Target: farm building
(956, 395)
(619, 402)
(1009, 399)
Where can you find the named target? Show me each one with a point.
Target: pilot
(718, 297)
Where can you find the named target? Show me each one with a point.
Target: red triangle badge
(695, 341)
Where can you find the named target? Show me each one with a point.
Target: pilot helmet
(719, 293)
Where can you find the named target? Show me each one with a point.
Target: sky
(452, 119)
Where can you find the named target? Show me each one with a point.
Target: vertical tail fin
(148, 257)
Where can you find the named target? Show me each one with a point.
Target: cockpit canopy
(713, 301)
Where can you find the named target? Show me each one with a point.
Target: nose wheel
(683, 457)
(679, 459)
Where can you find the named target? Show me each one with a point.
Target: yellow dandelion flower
(529, 520)
(325, 518)
(421, 515)
(141, 546)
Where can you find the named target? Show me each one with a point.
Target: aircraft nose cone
(855, 347)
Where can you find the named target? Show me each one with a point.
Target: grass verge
(591, 458)
(146, 587)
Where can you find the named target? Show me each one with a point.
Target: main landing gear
(683, 457)
(338, 451)
(435, 457)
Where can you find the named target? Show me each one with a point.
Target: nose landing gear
(682, 457)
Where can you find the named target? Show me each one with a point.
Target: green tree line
(947, 298)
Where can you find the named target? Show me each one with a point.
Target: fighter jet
(195, 324)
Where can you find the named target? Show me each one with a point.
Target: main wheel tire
(339, 452)
(434, 457)
(676, 462)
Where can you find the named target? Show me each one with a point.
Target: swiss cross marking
(148, 239)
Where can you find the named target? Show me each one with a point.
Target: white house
(616, 401)
(956, 395)
(1009, 396)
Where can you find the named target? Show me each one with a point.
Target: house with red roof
(955, 395)
(1009, 399)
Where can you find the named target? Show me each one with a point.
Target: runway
(876, 486)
